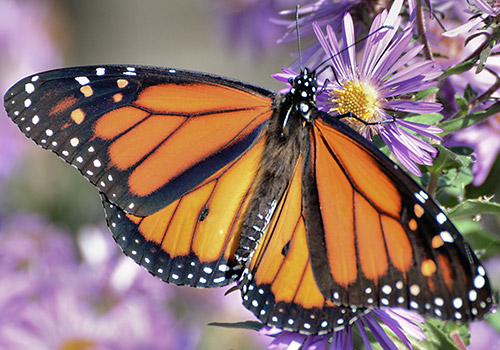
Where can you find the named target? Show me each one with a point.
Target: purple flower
(246, 22)
(378, 84)
(320, 12)
(52, 300)
(484, 138)
(483, 336)
(399, 321)
(482, 11)
(26, 47)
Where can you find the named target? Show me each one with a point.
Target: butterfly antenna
(346, 48)
(298, 36)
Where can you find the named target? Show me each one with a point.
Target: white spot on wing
(479, 282)
(441, 218)
(472, 295)
(446, 237)
(82, 80)
(29, 88)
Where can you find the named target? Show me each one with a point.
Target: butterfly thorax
(288, 142)
(300, 100)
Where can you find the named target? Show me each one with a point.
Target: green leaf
(484, 243)
(459, 68)
(250, 325)
(472, 207)
(485, 53)
(470, 119)
(424, 93)
(437, 338)
(451, 185)
(448, 159)
(429, 118)
(380, 144)
(470, 93)
(462, 103)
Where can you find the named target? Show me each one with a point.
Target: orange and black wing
(279, 286)
(353, 232)
(377, 240)
(143, 136)
(192, 241)
(173, 154)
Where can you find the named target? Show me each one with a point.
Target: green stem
(433, 182)
(421, 30)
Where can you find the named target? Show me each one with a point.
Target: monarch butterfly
(207, 180)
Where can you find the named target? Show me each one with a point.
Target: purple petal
(339, 65)
(407, 321)
(316, 342)
(401, 153)
(394, 326)
(413, 106)
(349, 43)
(362, 332)
(287, 341)
(378, 333)
(423, 129)
(467, 26)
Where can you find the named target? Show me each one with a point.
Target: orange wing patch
(203, 119)
(370, 240)
(361, 168)
(198, 232)
(280, 287)
(340, 241)
(196, 99)
(361, 213)
(63, 105)
(204, 137)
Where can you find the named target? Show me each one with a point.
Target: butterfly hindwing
(192, 240)
(143, 136)
(279, 286)
(376, 239)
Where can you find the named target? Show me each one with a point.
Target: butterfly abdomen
(282, 152)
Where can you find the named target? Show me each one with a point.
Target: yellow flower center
(78, 344)
(356, 97)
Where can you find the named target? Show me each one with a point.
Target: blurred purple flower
(321, 12)
(480, 14)
(483, 336)
(26, 47)
(246, 22)
(484, 138)
(381, 80)
(399, 321)
(51, 300)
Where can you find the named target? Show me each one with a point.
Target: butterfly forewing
(143, 136)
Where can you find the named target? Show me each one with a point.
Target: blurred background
(48, 211)
(62, 270)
